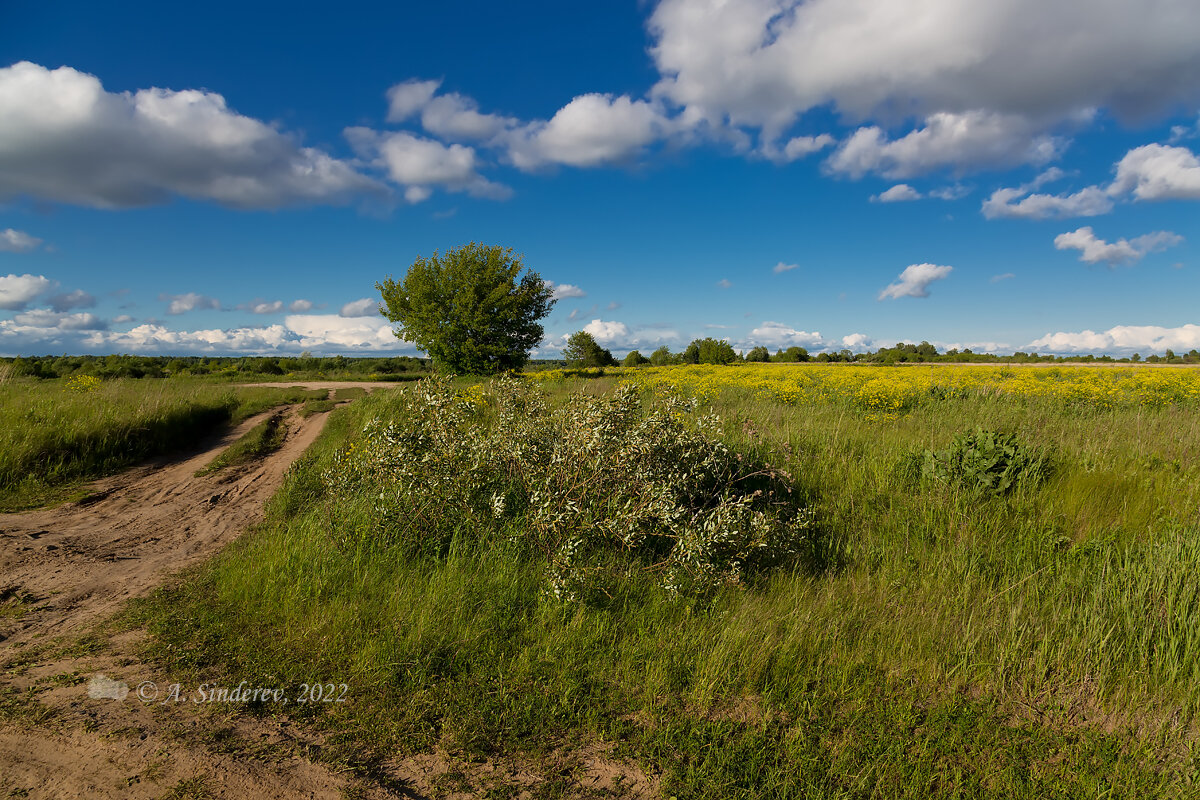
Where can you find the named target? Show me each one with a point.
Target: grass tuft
(263, 439)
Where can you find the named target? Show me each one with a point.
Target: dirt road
(64, 569)
(72, 724)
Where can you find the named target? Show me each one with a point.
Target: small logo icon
(102, 687)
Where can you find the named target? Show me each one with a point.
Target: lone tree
(467, 309)
(583, 350)
(635, 359)
(662, 356)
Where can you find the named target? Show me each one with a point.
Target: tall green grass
(53, 435)
(1043, 644)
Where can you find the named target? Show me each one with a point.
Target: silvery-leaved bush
(599, 487)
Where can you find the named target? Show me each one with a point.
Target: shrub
(600, 488)
(584, 351)
(635, 359)
(759, 353)
(662, 357)
(709, 351)
(792, 354)
(986, 462)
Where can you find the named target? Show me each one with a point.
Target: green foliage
(662, 357)
(987, 462)
(709, 351)
(635, 359)
(759, 353)
(225, 367)
(468, 309)
(1047, 646)
(52, 436)
(583, 351)
(599, 488)
(792, 354)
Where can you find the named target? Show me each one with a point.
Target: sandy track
(78, 562)
(75, 565)
(370, 386)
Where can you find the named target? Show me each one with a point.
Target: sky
(835, 174)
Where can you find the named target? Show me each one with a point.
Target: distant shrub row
(127, 366)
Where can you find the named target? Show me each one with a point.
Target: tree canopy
(759, 353)
(583, 350)
(663, 356)
(470, 308)
(635, 359)
(709, 351)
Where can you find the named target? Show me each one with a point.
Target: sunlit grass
(1045, 643)
(56, 433)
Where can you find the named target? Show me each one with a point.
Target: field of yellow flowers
(884, 392)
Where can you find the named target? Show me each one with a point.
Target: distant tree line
(128, 366)
(582, 350)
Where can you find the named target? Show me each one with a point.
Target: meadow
(57, 434)
(748, 581)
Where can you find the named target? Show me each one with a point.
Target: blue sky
(1000, 174)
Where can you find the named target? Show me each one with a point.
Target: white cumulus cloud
(317, 333)
(300, 305)
(191, 301)
(421, 164)
(966, 140)
(914, 281)
(1090, 201)
(409, 97)
(1123, 251)
(331, 331)
(366, 307)
(858, 342)
(455, 116)
(14, 241)
(17, 291)
(563, 291)
(796, 148)
(590, 130)
(782, 267)
(449, 116)
(777, 334)
(1149, 172)
(46, 318)
(761, 63)
(1158, 172)
(619, 337)
(64, 138)
(899, 193)
(606, 332)
(1122, 339)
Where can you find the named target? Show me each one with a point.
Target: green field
(55, 434)
(888, 628)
